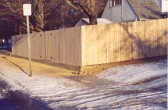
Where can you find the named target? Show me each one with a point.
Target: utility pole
(27, 13)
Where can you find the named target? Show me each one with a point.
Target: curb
(5, 52)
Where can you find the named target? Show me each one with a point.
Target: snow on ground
(135, 73)
(130, 87)
(5, 103)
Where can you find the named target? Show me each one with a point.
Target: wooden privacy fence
(59, 46)
(97, 44)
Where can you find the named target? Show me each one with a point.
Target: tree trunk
(92, 11)
(89, 9)
(93, 20)
(38, 15)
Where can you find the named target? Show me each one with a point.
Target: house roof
(145, 9)
(85, 21)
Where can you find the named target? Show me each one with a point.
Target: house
(133, 10)
(85, 21)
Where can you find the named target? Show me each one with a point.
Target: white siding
(114, 14)
(164, 5)
(128, 13)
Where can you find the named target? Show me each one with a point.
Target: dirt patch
(37, 68)
(92, 81)
(49, 70)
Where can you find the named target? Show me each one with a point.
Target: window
(114, 3)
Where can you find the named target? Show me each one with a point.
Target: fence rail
(97, 44)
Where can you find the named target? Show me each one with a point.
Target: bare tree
(37, 19)
(47, 14)
(88, 7)
(11, 10)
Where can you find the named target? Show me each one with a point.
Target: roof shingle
(146, 9)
